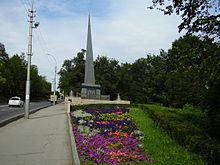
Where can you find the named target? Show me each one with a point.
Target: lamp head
(36, 24)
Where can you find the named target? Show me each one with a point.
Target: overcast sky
(121, 29)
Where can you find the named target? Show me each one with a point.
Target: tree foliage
(72, 74)
(40, 88)
(184, 74)
(197, 15)
(3, 63)
(106, 75)
(13, 78)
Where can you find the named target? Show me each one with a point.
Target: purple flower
(97, 160)
(109, 149)
(91, 155)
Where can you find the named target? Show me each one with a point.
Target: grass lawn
(159, 145)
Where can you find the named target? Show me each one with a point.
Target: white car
(15, 101)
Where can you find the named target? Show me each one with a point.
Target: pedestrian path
(41, 140)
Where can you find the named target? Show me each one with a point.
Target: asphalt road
(7, 112)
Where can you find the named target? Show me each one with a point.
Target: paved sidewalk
(41, 140)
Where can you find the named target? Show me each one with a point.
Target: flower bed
(108, 136)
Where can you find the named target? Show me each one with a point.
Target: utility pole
(54, 90)
(32, 25)
(54, 87)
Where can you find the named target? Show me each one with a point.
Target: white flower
(141, 137)
(99, 151)
(138, 132)
(140, 145)
(80, 113)
(82, 121)
(83, 129)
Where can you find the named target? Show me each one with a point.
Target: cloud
(122, 29)
(132, 30)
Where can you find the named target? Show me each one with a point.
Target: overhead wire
(41, 40)
(24, 5)
(28, 2)
(42, 44)
(39, 35)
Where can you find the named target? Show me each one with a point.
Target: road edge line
(14, 118)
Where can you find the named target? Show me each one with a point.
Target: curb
(75, 155)
(14, 118)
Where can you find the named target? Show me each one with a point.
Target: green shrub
(94, 106)
(188, 107)
(188, 126)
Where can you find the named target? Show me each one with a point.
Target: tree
(125, 81)
(155, 81)
(13, 77)
(198, 16)
(3, 69)
(195, 62)
(40, 88)
(16, 77)
(194, 76)
(72, 74)
(3, 54)
(106, 75)
(139, 72)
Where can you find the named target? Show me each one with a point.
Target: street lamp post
(54, 88)
(32, 24)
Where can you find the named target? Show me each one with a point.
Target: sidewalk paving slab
(43, 139)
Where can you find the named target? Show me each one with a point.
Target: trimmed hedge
(93, 106)
(188, 127)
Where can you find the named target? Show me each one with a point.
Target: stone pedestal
(91, 91)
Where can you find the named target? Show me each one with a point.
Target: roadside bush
(94, 106)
